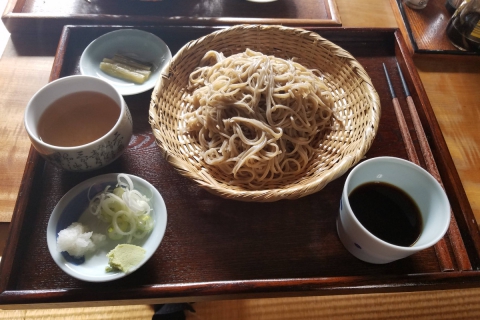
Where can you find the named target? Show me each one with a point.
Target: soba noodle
(258, 118)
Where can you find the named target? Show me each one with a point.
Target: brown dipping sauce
(387, 212)
(78, 118)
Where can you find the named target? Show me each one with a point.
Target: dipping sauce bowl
(414, 181)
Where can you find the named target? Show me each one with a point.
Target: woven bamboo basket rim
(356, 101)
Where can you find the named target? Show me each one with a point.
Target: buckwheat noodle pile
(257, 118)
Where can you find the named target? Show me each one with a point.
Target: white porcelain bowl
(73, 208)
(140, 44)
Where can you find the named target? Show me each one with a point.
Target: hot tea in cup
(78, 118)
(78, 123)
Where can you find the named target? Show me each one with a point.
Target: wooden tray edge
(448, 172)
(251, 289)
(33, 165)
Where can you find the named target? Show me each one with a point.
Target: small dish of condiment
(113, 251)
(129, 59)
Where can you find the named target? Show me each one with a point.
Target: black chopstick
(446, 263)
(392, 92)
(404, 84)
(409, 146)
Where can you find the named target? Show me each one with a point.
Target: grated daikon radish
(77, 240)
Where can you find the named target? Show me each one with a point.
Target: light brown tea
(78, 118)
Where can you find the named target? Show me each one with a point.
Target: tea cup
(87, 156)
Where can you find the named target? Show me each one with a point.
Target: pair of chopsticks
(453, 232)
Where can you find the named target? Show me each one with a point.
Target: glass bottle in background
(416, 4)
(463, 29)
(452, 5)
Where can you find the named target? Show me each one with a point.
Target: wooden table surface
(452, 87)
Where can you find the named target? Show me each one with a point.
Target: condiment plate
(138, 44)
(73, 207)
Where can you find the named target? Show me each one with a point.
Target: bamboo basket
(355, 101)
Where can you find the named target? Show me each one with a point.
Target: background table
(452, 87)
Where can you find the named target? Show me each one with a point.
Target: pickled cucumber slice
(124, 72)
(142, 65)
(128, 67)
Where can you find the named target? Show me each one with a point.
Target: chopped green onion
(126, 210)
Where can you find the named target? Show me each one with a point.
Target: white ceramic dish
(73, 207)
(137, 43)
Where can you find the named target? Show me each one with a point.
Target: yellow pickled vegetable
(118, 71)
(126, 68)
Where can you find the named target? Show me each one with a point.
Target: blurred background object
(452, 5)
(416, 4)
(463, 29)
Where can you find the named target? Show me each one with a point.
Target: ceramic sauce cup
(90, 155)
(408, 178)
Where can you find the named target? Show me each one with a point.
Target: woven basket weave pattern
(356, 103)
